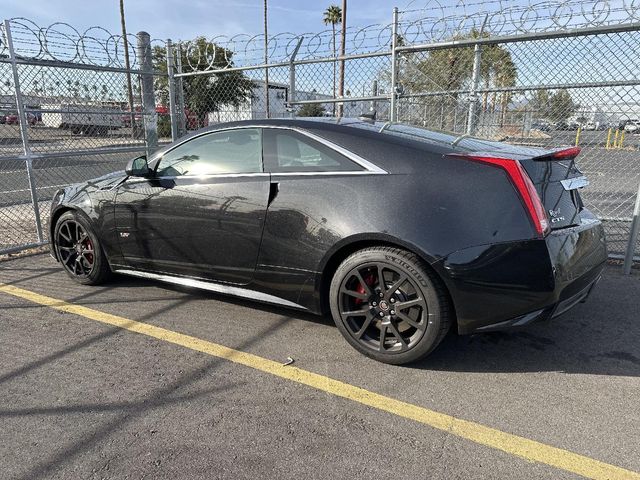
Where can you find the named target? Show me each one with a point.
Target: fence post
(149, 115)
(180, 96)
(394, 66)
(374, 92)
(292, 76)
(172, 91)
(24, 134)
(633, 235)
(473, 96)
(472, 119)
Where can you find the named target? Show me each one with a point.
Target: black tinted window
(288, 151)
(229, 151)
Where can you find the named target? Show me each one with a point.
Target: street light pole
(343, 34)
(266, 62)
(127, 65)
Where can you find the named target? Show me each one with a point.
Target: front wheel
(79, 250)
(389, 305)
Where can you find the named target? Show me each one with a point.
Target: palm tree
(333, 16)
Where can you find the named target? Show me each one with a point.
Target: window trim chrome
(369, 168)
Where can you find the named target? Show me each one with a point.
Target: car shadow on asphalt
(600, 337)
(602, 341)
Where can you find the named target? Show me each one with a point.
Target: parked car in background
(632, 126)
(590, 126)
(12, 119)
(542, 126)
(399, 232)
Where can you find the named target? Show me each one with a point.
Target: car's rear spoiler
(561, 154)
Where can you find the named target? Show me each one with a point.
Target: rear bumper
(510, 285)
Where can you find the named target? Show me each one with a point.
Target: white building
(255, 107)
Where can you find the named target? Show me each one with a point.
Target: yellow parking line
(483, 435)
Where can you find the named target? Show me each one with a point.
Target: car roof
(373, 140)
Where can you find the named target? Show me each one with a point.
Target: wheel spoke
(410, 321)
(383, 335)
(381, 284)
(418, 302)
(352, 293)
(67, 237)
(355, 313)
(60, 247)
(364, 327)
(66, 260)
(364, 284)
(398, 335)
(393, 288)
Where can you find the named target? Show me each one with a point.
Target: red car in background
(12, 119)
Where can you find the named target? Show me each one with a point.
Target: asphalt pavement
(80, 398)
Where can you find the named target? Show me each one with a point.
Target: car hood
(102, 183)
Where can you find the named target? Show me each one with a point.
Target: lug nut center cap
(384, 305)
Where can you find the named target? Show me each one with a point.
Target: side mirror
(138, 167)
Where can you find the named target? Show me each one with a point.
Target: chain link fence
(528, 72)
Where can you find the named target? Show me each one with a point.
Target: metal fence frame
(146, 73)
(293, 61)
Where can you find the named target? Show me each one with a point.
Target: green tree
(556, 106)
(561, 106)
(539, 103)
(450, 70)
(204, 93)
(311, 110)
(333, 16)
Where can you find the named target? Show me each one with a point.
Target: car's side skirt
(212, 287)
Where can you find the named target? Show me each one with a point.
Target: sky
(186, 19)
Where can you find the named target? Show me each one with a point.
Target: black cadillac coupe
(401, 233)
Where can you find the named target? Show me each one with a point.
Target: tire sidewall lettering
(408, 267)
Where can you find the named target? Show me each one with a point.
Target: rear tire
(397, 320)
(79, 250)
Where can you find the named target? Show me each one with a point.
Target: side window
(288, 151)
(228, 151)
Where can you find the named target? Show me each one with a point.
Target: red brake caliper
(369, 279)
(89, 245)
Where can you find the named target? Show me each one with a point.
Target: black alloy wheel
(388, 305)
(78, 250)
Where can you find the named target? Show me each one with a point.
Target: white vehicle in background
(83, 118)
(591, 126)
(632, 126)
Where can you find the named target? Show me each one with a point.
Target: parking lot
(140, 380)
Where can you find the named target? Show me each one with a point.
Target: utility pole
(266, 62)
(127, 65)
(343, 41)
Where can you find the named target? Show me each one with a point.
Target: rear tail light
(523, 185)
